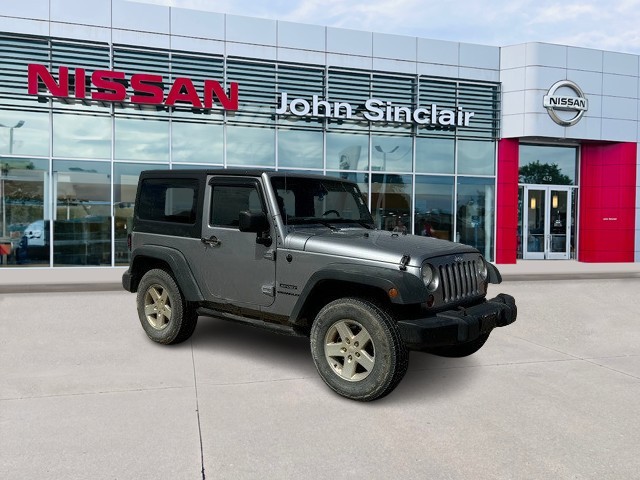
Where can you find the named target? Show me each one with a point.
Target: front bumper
(453, 327)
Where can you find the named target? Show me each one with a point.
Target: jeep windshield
(324, 201)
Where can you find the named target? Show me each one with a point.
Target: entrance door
(547, 223)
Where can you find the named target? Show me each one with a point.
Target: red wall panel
(507, 201)
(607, 202)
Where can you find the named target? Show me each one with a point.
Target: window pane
(476, 158)
(347, 151)
(434, 155)
(142, 139)
(548, 165)
(475, 213)
(24, 227)
(197, 142)
(300, 148)
(391, 202)
(85, 136)
(228, 201)
(434, 207)
(125, 184)
(171, 200)
(24, 133)
(391, 154)
(250, 146)
(82, 221)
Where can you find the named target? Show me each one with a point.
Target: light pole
(17, 125)
(384, 169)
(4, 171)
(384, 155)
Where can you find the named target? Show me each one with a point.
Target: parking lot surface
(84, 394)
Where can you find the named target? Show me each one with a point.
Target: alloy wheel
(157, 307)
(349, 350)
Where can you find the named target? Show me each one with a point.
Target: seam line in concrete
(229, 384)
(612, 369)
(588, 360)
(81, 394)
(531, 362)
(195, 385)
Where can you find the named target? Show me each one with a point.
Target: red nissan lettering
(147, 88)
(37, 73)
(113, 91)
(190, 95)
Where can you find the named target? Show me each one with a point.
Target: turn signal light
(393, 292)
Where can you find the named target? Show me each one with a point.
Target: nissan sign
(557, 103)
(139, 88)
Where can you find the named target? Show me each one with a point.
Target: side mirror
(255, 222)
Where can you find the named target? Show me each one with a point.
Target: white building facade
(526, 151)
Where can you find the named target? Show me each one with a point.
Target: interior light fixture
(533, 203)
(554, 201)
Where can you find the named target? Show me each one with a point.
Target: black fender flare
(410, 288)
(493, 273)
(177, 263)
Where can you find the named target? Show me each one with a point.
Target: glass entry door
(547, 223)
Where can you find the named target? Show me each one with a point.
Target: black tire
(461, 350)
(366, 371)
(164, 314)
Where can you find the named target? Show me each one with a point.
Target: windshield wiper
(312, 220)
(326, 224)
(362, 223)
(367, 225)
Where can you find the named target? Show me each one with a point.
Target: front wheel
(164, 314)
(462, 350)
(357, 349)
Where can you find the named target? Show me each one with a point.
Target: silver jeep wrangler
(299, 254)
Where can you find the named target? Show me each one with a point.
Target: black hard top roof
(241, 172)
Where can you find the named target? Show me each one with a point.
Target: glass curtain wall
(69, 167)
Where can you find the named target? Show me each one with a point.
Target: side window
(227, 201)
(168, 200)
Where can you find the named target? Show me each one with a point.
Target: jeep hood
(376, 245)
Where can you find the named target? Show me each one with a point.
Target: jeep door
(233, 266)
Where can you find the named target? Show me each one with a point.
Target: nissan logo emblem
(556, 104)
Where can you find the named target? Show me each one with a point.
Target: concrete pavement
(84, 394)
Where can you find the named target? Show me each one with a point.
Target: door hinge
(269, 290)
(270, 255)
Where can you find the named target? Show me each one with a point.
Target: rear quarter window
(173, 201)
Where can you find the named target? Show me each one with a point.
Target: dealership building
(524, 152)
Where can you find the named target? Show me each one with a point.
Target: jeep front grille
(459, 281)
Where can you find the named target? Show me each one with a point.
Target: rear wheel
(164, 314)
(357, 349)
(462, 350)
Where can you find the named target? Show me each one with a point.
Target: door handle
(212, 240)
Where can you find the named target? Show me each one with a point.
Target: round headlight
(482, 268)
(429, 278)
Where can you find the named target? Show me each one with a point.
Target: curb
(115, 287)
